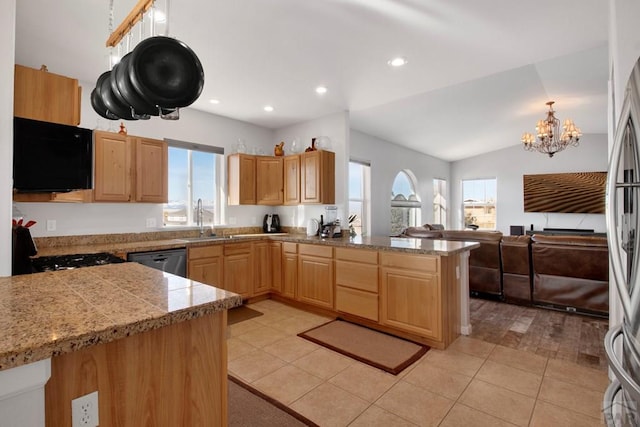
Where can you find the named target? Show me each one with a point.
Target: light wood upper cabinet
(151, 171)
(129, 168)
(112, 170)
(41, 95)
(269, 180)
(317, 177)
(241, 179)
(291, 168)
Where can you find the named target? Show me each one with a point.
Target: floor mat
(374, 348)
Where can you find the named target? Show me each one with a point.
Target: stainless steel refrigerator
(621, 404)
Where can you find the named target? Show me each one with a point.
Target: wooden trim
(136, 14)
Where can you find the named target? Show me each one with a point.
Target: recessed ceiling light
(397, 62)
(321, 90)
(268, 108)
(214, 101)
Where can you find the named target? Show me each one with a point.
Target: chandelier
(550, 140)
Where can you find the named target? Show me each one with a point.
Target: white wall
(508, 166)
(387, 159)
(98, 218)
(7, 54)
(336, 127)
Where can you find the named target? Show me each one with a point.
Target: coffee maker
(271, 223)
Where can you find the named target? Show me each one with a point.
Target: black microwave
(51, 157)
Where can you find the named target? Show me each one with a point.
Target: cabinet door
(238, 271)
(410, 301)
(276, 266)
(41, 95)
(315, 280)
(269, 181)
(151, 172)
(112, 170)
(317, 174)
(263, 268)
(289, 274)
(241, 179)
(206, 270)
(291, 168)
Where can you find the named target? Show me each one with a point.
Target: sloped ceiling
(479, 73)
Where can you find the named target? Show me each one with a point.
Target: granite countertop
(392, 244)
(397, 244)
(46, 314)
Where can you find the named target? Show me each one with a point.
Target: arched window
(405, 203)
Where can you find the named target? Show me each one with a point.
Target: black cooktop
(66, 262)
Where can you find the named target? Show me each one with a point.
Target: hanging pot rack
(135, 16)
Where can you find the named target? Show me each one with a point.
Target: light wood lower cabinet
(263, 272)
(357, 282)
(205, 265)
(238, 271)
(289, 269)
(410, 294)
(315, 275)
(275, 249)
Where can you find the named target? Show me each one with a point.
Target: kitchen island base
(171, 376)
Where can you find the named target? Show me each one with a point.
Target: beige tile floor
(472, 383)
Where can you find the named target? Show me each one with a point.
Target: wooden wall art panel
(575, 192)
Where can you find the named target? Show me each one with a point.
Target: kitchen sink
(206, 238)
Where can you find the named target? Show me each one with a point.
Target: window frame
(219, 181)
(480, 203)
(365, 201)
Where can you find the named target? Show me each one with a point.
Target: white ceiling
(479, 72)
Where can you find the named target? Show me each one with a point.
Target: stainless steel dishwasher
(172, 261)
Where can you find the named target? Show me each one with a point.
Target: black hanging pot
(112, 103)
(100, 108)
(166, 72)
(120, 81)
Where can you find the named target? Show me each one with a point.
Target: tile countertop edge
(13, 359)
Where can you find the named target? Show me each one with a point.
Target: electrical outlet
(84, 411)
(51, 225)
(232, 220)
(151, 222)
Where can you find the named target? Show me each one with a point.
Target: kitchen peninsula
(152, 344)
(416, 288)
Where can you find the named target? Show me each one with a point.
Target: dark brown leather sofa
(560, 272)
(516, 269)
(571, 273)
(485, 271)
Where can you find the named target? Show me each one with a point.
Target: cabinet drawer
(427, 263)
(205, 251)
(316, 250)
(359, 303)
(289, 247)
(237, 248)
(357, 255)
(356, 275)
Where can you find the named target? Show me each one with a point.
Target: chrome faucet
(199, 215)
